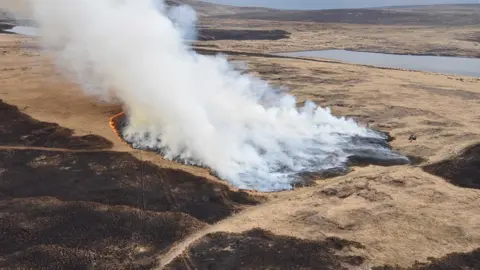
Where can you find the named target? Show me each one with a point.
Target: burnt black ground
(453, 261)
(462, 170)
(63, 208)
(48, 233)
(260, 249)
(244, 34)
(114, 178)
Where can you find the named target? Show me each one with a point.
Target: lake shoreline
(389, 52)
(461, 66)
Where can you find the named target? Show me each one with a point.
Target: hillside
(436, 15)
(20, 7)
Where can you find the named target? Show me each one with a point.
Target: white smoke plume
(185, 19)
(195, 108)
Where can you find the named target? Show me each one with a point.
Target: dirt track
(74, 196)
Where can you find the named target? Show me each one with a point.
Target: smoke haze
(185, 19)
(193, 108)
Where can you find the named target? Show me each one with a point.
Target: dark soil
(115, 178)
(259, 249)
(462, 170)
(76, 209)
(231, 34)
(50, 234)
(17, 128)
(453, 261)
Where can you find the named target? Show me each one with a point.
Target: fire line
(115, 129)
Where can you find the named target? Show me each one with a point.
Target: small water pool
(440, 64)
(24, 30)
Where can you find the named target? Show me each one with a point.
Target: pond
(24, 30)
(439, 64)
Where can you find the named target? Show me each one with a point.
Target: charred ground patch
(17, 128)
(242, 34)
(115, 178)
(260, 249)
(81, 208)
(453, 261)
(462, 170)
(48, 233)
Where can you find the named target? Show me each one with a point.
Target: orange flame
(115, 129)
